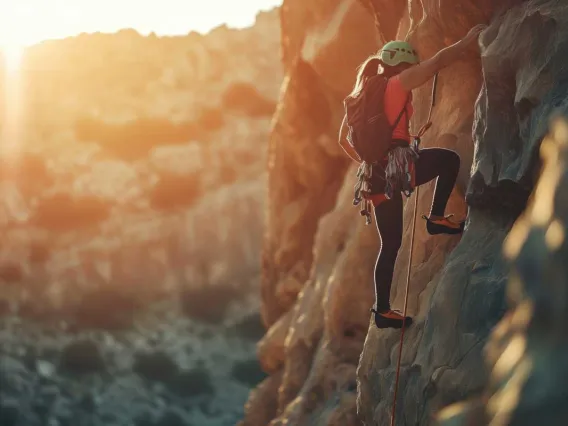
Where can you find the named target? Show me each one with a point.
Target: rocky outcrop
(305, 164)
(526, 352)
(131, 215)
(318, 258)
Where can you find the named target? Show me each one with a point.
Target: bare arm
(416, 76)
(345, 144)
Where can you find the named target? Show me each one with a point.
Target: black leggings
(440, 163)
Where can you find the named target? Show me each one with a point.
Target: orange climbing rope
(405, 307)
(417, 140)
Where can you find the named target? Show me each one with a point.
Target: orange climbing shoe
(391, 319)
(443, 225)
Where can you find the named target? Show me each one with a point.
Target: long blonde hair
(366, 70)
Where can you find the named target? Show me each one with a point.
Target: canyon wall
(328, 363)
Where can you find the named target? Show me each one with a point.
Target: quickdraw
(363, 190)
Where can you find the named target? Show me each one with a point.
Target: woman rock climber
(398, 62)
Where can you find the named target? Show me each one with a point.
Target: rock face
(132, 192)
(444, 361)
(326, 358)
(305, 166)
(306, 170)
(526, 353)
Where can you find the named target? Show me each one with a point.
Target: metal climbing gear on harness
(404, 312)
(363, 190)
(399, 170)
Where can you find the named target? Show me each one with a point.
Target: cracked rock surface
(526, 353)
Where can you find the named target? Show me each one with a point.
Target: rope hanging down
(421, 132)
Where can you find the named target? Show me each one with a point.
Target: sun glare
(11, 129)
(12, 56)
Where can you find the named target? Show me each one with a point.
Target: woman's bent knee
(451, 159)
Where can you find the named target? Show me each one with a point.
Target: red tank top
(395, 98)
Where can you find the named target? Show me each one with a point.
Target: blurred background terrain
(131, 167)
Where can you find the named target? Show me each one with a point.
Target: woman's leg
(443, 164)
(388, 217)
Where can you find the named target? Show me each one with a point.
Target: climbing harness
(417, 140)
(399, 169)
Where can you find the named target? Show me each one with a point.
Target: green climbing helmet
(397, 52)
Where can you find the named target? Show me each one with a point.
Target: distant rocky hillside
(131, 215)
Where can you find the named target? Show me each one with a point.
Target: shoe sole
(382, 322)
(434, 229)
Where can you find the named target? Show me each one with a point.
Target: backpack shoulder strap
(403, 111)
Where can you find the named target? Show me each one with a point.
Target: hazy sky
(26, 22)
